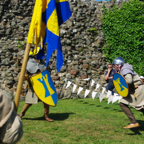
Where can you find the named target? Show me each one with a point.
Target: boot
(46, 113)
(131, 126)
(24, 109)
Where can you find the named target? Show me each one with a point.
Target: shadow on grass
(80, 101)
(117, 110)
(91, 104)
(98, 106)
(106, 108)
(137, 130)
(85, 103)
(54, 116)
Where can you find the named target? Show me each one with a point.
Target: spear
(34, 30)
(20, 82)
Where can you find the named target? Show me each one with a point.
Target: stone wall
(81, 36)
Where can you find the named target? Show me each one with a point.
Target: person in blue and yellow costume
(135, 97)
(34, 67)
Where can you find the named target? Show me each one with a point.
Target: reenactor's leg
(130, 115)
(24, 109)
(46, 113)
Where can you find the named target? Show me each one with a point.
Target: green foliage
(124, 32)
(80, 50)
(6, 74)
(21, 45)
(92, 29)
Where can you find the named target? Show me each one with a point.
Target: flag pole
(20, 82)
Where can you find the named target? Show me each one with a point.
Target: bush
(124, 32)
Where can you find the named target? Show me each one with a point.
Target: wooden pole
(20, 82)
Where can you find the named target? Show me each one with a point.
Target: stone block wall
(82, 40)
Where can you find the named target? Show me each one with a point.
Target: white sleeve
(128, 78)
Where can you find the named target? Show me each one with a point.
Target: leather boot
(24, 109)
(46, 113)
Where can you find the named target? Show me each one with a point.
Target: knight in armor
(135, 97)
(34, 67)
(11, 128)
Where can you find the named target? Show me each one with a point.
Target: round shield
(120, 84)
(44, 88)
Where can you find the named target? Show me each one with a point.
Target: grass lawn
(80, 121)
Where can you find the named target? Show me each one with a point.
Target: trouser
(110, 87)
(27, 106)
(128, 112)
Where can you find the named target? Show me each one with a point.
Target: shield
(44, 88)
(120, 84)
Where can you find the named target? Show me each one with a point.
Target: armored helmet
(118, 61)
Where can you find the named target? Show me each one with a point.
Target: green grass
(80, 121)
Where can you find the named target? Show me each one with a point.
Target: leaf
(124, 32)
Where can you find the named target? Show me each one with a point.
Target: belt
(136, 86)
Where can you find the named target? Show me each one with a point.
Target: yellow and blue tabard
(44, 88)
(120, 85)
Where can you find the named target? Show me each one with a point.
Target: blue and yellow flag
(54, 13)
